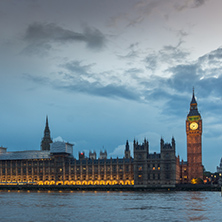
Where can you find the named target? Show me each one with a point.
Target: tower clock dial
(193, 126)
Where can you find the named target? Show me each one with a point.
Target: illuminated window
(153, 168)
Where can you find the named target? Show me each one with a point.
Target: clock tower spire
(194, 141)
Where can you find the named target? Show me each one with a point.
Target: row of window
(153, 176)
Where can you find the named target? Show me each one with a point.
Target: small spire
(127, 146)
(47, 123)
(193, 101)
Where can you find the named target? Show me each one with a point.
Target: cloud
(111, 90)
(37, 79)
(189, 4)
(169, 54)
(151, 61)
(80, 78)
(148, 7)
(118, 151)
(58, 139)
(77, 67)
(171, 92)
(42, 36)
(77, 77)
(205, 72)
(132, 52)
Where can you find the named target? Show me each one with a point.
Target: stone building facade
(58, 166)
(156, 169)
(55, 164)
(61, 168)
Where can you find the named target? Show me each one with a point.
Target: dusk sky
(107, 71)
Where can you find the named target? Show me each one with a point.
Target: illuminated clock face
(193, 126)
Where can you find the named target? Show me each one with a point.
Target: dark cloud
(195, 73)
(43, 35)
(183, 77)
(174, 103)
(111, 90)
(173, 91)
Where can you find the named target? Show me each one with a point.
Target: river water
(110, 206)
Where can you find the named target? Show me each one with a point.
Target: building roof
(29, 154)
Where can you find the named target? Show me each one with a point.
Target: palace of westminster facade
(55, 164)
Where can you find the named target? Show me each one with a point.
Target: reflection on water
(196, 203)
(110, 206)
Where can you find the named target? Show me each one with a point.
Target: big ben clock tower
(194, 142)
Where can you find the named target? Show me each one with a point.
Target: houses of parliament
(55, 164)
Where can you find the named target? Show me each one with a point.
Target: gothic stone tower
(46, 140)
(140, 162)
(194, 141)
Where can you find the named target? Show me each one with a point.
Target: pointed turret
(46, 140)
(193, 106)
(193, 101)
(173, 143)
(127, 150)
(127, 145)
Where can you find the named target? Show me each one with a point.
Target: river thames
(110, 206)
